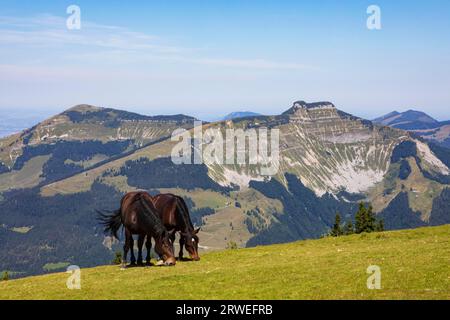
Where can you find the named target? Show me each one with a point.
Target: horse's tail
(111, 221)
(184, 211)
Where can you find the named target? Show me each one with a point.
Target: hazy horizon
(208, 115)
(13, 120)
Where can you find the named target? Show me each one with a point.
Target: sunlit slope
(414, 265)
(76, 140)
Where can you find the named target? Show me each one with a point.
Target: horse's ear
(197, 230)
(171, 232)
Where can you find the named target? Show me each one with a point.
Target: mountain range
(240, 114)
(54, 176)
(419, 123)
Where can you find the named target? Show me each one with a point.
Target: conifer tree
(336, 231)
(366, 221)
(117, 258)
(5, 276)
(348, 228)
(360, 218)
(370, 220)
(380, 226)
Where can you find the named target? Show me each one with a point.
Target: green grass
(22, 230)
(55, 266)
(27, 177)
(10, 273)
(414, 265)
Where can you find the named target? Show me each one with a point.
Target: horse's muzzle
(170, 262)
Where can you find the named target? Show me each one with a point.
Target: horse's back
(166, 203)
(127, 200)
(131, 210)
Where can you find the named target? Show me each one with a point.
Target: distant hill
(88, 113)
(240, 114)
(408, 120)
(77, 139)
(414, 265)
(419, 123)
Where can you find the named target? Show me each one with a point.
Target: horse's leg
(132, 258)
(180, 254)
(126, 247)
(148, 244)
(140, 245)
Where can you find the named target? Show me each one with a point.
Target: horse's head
(191, 243)
(164, 247)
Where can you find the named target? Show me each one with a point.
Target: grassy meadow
(415, 264)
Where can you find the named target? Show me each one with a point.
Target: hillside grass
(415, 264)
(27, 177)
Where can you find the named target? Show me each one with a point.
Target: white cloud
(51, 31)
(110, 44)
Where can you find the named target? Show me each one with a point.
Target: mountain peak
(422, 116)
(302, 105)
(240, 114)
(408, 120)
(84, 108)
(85, 112)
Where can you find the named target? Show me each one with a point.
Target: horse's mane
(151, 218)
(184, 213)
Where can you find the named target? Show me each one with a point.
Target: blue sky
(208, 58)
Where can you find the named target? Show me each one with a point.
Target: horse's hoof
(148, 264)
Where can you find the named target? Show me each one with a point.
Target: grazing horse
(139, 216)
(174, 214)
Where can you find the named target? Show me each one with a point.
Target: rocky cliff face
(335, 153)
(327, 149)
(327, 123)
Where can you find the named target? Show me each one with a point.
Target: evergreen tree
(361, 218)
(336, 231)
(380, 226)
(370, 220)
(348, 228)
(117, 258)
(5, 276)
(366, 221)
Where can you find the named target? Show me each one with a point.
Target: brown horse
(139, 216)
(174, 214)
